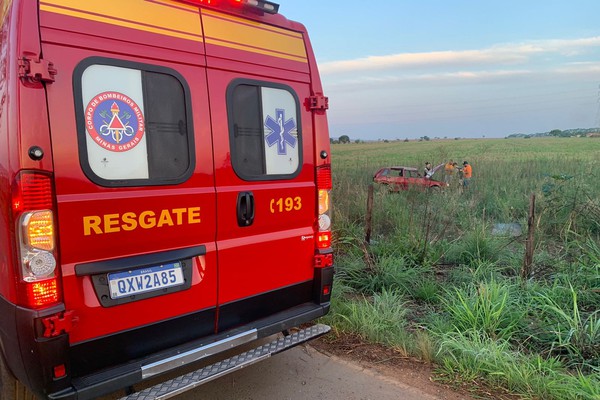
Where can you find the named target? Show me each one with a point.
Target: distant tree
(357, 141)
(344, 139)
(555, 132)
(425, 138)
(406, 140)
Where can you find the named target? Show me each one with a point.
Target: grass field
(438, 282)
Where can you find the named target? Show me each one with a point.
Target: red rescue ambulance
(164, 180)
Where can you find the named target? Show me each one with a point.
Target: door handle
(245, 209)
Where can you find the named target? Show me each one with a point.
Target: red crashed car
(403, 178)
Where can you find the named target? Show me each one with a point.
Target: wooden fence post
(529, 242)
(369, 215)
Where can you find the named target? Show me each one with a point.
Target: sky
(454, 68)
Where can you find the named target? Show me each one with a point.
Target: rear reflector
(59, 371)
(323, 260)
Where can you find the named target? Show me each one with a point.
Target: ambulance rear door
(264, 165)
(136, 201)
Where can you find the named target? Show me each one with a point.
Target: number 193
(286, 204)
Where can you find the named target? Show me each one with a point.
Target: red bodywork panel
(275, 252)
(23, 109)
(169, 204)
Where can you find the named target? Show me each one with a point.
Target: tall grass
(437, 282)
(571, 332)
(472, 357)
(379, 319)
(488, 309)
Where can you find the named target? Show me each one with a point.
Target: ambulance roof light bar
(266, 6)
(259, 5)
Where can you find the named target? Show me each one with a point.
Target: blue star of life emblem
(280, 131)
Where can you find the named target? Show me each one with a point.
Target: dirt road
(304, 373)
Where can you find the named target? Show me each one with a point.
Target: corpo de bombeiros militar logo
(114, 121)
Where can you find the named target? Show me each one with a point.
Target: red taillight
(324, 185)
(324, 240)
(32, 200)
(32, 192)
(324, 177)
(42, 293)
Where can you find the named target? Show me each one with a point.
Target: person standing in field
(449, 172)
(428, 171)
(467, 174)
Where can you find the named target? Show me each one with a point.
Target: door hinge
(59, 324)
(36, 70)
(318, 103)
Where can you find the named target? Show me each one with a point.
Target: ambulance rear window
(134, 127)
(264, 130)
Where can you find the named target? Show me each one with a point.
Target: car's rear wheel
(10, 387)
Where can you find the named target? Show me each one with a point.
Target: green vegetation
(438, 282)
(579, 132)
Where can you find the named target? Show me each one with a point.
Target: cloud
(420, 60)
(511, 87)
(453, 78)
(504, 54)
(569, 71)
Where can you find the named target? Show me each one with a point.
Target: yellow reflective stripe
(4, 9)
(225, 30)
(179, 20)
(151, 16)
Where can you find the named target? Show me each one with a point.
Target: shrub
(571, 333)
(471, 356)
(489, 309)
(475, 247)
(380, 319)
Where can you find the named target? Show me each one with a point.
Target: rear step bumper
(136, 371)
(174, 387)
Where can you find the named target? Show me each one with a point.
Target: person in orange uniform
(449, 169)
(467, 174)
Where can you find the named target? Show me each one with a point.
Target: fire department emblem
(114, 121)
(280, 132)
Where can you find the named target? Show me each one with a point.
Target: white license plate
(144, 280)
